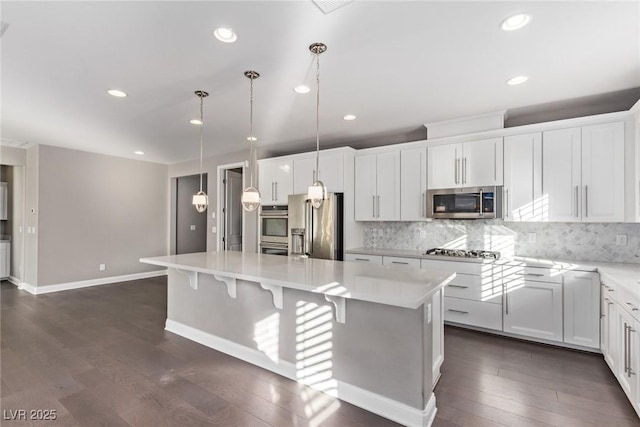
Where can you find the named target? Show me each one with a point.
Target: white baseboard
(372, 402)
(38, 290)
(14, 280)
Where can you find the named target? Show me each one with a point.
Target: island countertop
(392, 285)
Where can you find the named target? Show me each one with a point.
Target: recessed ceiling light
(117, 93)
(195, 122)
(301, 89)
(516, 21)
(252, 138)
(139, 153)
(349, 117)
(225, 35)
(517, 80)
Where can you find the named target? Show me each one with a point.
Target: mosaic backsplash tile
(569, 241)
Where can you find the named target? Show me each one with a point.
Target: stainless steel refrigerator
(316, 233)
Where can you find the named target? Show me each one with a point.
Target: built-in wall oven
(274, 226)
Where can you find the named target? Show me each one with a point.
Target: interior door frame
(220, 201)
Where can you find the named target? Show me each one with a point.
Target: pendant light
(317, 191)
(200, 199)
(251, 195)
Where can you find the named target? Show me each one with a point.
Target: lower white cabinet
(533, 308)
(5, 262)
(373, 259)
(437, 307)
(474, 313)
(582, 308)
(608, 330)
(627, 353)
(394, 260)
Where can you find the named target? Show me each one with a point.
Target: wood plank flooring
(100, 357)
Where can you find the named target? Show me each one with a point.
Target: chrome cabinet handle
(272, 191)
(373, 206)
(577, 213)
(507, 201)
(424, 204)
(399, 262)
(506, 302)
(481, 213)
(464, 170)
(626, 366)
(586, 201)
(276, 190)
(459, 286)
(611, 290)
(458, 311)
(456, 166)
(378, 207)
(362, 259)
(530, 274)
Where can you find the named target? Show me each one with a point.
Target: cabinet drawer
(474, 313)
(373, 259)
(477, 268)
(513, 275)
(394, 260)
(476, 288)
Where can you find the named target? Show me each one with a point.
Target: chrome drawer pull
(362, 259)
(530, 274)
(611, 290)
(458, 286)
(399, 262)
(458, 311)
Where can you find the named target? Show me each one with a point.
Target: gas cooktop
(463, 253)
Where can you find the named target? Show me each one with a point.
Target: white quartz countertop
(392, 285)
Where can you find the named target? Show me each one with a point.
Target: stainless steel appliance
(274, 226)
(463, 253)
(465, 203)
(316, 233)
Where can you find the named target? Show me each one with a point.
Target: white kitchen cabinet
(373, 259)
(468, 164)
(413, 184)
(608, 328)
(4, 200)
(533, 308)
(581, 301)
(628, 356)
(603, 173)
(377, 187)
(583, 174)
(275, 180)
(5, 260)
(331, 172)
(437, 313)
(523, 178)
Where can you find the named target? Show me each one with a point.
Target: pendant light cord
(251, 161)
(318, 117)
(201, 137)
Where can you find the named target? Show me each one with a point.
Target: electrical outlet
(103, 267)
(213, 215)
(621, 240)
(192, 228)
(532, 237)
(214, 229)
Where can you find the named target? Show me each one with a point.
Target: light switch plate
(214, 230)
(621, 240)
(192, 227)
(103, 267)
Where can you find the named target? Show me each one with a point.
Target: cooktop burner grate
(463, 253)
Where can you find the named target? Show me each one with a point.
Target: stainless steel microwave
(465, 203)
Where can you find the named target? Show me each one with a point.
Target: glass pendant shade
(316, 194)
(250, 199)
(200, 201)
(251, 196)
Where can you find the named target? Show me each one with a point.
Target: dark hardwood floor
(100, 357)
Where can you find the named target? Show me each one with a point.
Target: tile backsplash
(569, 241)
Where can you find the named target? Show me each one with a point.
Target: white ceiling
(396, 65)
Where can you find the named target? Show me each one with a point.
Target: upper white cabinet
(583, 174)
(523, 177)
(275, 180)
(413, 184)
(4, 197)
(582, 308)
(377, 187)
(331, 172)
(468, 164)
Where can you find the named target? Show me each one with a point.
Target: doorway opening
(230, 213)
(188, 226)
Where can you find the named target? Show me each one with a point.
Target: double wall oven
(274, 226)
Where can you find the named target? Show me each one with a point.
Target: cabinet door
(627, 353)
(582, 309)
(608, 333)
(413, 184)
(331, 173)
(4, 198)
(482, 163)
(444, 170)
(388, 186)
(603, 173)
(4, 260)
(523, 177)
(365, 187)
(561, 175)
(265, 182)
(533, 309)
(437, 312)
(283, 180)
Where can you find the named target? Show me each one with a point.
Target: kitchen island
(362, 333)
